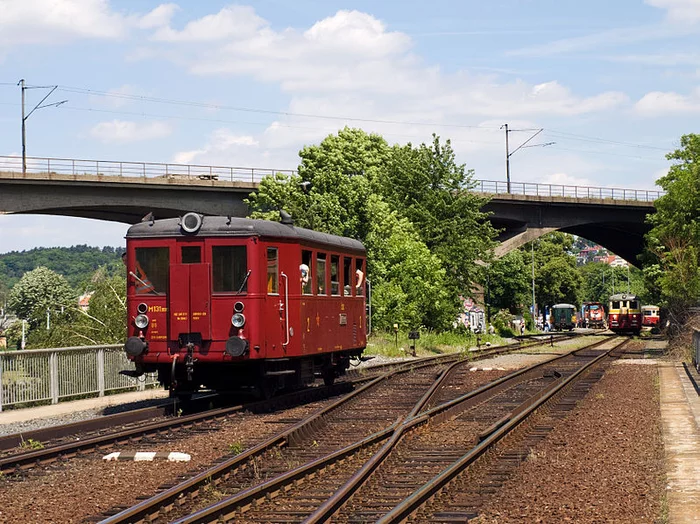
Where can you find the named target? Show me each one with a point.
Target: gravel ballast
(603, 463)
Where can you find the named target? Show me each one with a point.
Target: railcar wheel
(328, 376)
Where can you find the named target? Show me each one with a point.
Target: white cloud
(223, 147)
(60, 21)
(658, 103)
(124, 131)
(49, 21)
(159, 17)
(679, 11)
(351, 64)
(233, 22)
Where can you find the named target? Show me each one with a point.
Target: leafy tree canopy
(673, 244)
(38, 291)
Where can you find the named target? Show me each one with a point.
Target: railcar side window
(634, 304)
(272, 271)
(335, 276)
(306, 281)
(615, 304)
(359, 277)
(191, 254)
(321, 274)
(152, 269)
(229, 267)
(347, 269)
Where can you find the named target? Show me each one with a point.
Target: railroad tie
(171, 456)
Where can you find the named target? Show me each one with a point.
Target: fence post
(53, 377)
(101, 371)
(141, 384)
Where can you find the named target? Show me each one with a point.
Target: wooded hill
(76, 263)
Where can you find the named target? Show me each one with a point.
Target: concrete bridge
(126, 191)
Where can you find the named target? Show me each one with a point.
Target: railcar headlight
(238, 320)
(141, 321)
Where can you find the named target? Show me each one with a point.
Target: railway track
(69, 440)
(283, 463)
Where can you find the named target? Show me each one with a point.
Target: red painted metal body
(650, 316)
(625, 313)
(292, 331)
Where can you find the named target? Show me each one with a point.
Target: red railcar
(625, 314)
(650, 317)
(226, 303)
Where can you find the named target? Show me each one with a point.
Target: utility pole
(24, 134)
(533, 282)
(521, 146)
(21, 83)
(507, 159)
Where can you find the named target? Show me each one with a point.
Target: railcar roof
(562, 306)
(624, 296)
(220, 226)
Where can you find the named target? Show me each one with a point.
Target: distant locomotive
(593, 315)
(563, 316)
(625, 314)
(225, 304)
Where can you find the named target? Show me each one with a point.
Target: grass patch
(429, 344)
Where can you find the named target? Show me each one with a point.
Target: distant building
(84, 301)
(472, 316)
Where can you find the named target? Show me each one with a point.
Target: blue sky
(613, 84)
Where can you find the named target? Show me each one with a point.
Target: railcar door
(190, 303)
(277, 305)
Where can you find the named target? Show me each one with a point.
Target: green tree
(673, 243)
(509, 282)
(556, 277)
(103, 322)
(408, 282)
(38, 291)
(427, 186)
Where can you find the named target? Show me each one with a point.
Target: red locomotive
(593, 315)
(225, 304)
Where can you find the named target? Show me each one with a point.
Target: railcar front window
(634, 304)
(615, 304)
(191, 254)
(272, 271)
(229, 268)
(152, 270)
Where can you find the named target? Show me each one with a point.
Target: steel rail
(436, 414)
(508, 424)
(228, 507)
(291, 436)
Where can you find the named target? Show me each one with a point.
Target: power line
(224, 121)
(572, 136)
(261, 111)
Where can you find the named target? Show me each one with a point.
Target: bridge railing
(76, 167)
(50, 375)
(555, 190)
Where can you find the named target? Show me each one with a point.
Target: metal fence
(556, 190)
(145, 170)
(51, 375)
(114, 168)
(696, 349)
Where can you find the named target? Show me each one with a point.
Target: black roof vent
(286, 218)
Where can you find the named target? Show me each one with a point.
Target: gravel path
(603, 463)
